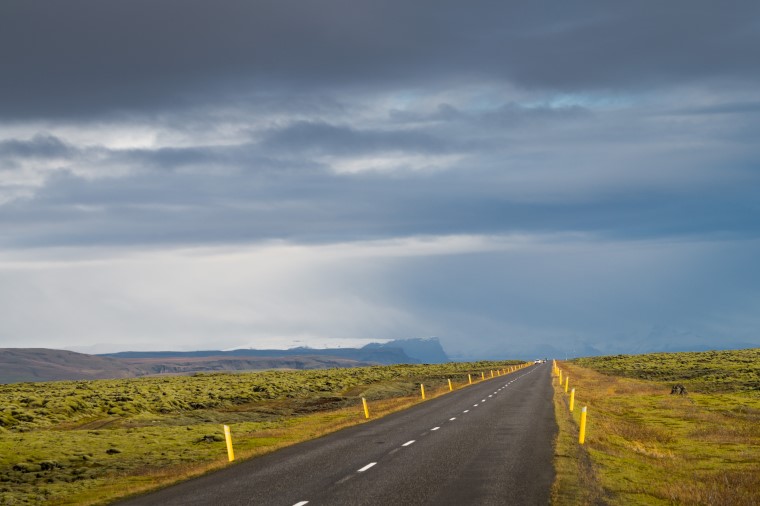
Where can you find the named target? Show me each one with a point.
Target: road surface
(486, 444)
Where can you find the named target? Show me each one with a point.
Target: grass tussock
(90, 442)
(650, 447)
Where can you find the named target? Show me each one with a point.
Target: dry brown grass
(722, 488)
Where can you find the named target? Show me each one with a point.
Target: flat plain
(90, 442)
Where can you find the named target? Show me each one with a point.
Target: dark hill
(40, 364)
(427, 351)
(400, 351)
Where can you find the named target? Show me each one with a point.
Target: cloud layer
(612, 150)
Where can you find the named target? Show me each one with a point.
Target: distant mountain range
(39, 364)
(400, 351)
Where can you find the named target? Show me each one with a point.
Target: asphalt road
(486, 444)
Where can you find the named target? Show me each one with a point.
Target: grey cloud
(625, 173)
(85, 57)
(40, 146)
(739, 108)
(443, 113)
(332, 139)
(516, 114)
(632, 125)
(167, 207)
(169, 158)
(507, 115)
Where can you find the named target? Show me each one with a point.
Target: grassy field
(645, 446)
(89, 442)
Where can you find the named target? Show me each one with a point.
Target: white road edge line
(409, 442)
(366, 467)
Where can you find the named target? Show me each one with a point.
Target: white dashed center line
(435, 428)
(408, 443)
(366, 467)
(301, 503)
(475, 405)
(466, 411)
(452, 418)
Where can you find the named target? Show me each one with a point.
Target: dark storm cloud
(309, 204)
(80, 58)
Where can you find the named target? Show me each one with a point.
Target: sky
(514, 178)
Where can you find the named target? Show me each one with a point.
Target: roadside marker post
(450, 387)
(482, 375)
(422, 389)
(567, 382)
(469, 378)
(228, 439)
(582, 434)
(366, 409)
(492, 373)
(572, 399)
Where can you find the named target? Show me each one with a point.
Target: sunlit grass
(89, 442)
(650, 447)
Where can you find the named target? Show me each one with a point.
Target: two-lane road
(489, 443)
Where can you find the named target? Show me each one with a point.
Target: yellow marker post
(572, 398)
(492, 373)
(582, 435)
(450, 387)
(482, 375)
(422, 389)
(366, 409)
(567, 382)
(560, 377)
(228, 438)
(469, 378)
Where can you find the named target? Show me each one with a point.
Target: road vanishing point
(490, 443)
